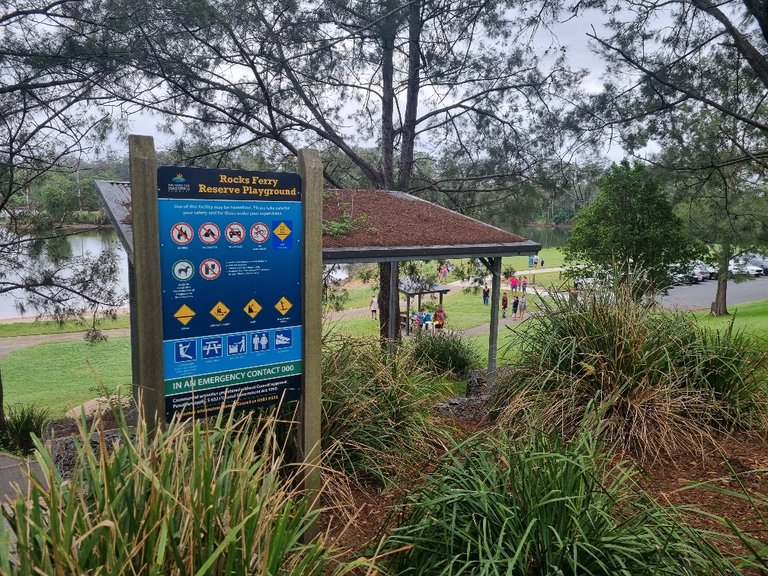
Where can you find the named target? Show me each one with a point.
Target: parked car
(743, 267)
(706, 271)
(683, 274)
(759, 262)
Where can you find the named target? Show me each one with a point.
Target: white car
(740, 267)
(704, 270)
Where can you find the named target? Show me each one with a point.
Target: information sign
(232, 301)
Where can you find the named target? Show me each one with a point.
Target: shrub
(21, 423)
(534, 505)
(445, 353)
(191, 500)
(374, 409)
(644, 380)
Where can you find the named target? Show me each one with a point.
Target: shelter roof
(385, 226)
(412, 287)
(390, 226)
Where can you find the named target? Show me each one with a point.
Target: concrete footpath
(13, 472)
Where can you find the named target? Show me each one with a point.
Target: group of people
(518, 306)
(420, 319)
(535, 262)
(515, 283)
(518, 302)
(428, 321)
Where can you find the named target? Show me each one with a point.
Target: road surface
(700, 296)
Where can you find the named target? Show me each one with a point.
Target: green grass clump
(445, 352)
(190, 500)
(375, 409)
(22, 422)
(649, 382)
(533, 505)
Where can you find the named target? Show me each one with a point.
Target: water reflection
(58, 248)
(547, 237)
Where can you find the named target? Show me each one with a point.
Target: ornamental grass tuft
(646, 381)
(534, 505)
(193, 499)
(376, 409)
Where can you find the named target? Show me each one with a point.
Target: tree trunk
(719, 306)
(387, 148)
(408, 139)
(385, 269)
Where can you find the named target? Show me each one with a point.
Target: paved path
(11, 343)
(13, 472)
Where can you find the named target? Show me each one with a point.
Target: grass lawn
(552, 257)
(751, 317)
(360, 296)
(51, 327)
(63, 375)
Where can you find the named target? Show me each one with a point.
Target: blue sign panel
(231, 247)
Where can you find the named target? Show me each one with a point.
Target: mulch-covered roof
(385, 225)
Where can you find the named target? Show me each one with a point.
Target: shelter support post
(311, 172)
(407, 315)
(394, 317)
(494, 266)
(146, 259)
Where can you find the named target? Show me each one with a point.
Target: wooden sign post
(146, 259)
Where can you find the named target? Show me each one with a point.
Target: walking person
(504, 304)
(374, 305)
(524, 284)
(486, 294)
(513, 282)
(521, 306)
(515, 304)
(536, 261)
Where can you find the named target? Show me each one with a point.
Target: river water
(81, 244)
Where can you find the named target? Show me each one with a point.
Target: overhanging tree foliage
(629, 224)
(46, 87)
(658, 55)
(718, 185)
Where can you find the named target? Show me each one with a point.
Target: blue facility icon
(283, 339)
(260, 341)
(236, 345)
(213, 347)
(185, 350)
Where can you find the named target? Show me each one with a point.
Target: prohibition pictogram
(259, 232)
(234, 233)
(183, 270)
(209, 233)
(181, 233)
(210, 269)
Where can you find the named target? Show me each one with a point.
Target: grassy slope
(65, 374)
